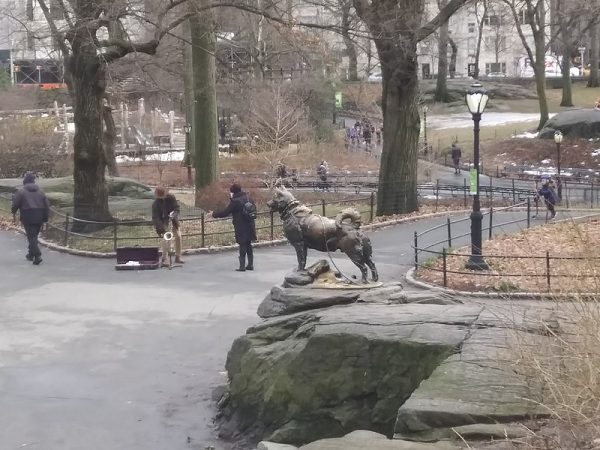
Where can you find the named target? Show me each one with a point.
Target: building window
(499, 67)
(29, 9)
(491, 21)
(30, 40)
(471, 27)
(471, 47)
(523, 17)
(56, 10)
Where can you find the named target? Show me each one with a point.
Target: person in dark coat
(33, 207)
(549, 195)
(456, 154)
(165, 209)
(244, 226)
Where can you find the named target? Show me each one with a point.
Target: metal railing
(543, 263)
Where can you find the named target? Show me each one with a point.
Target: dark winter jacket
(32, 204)
(161, 208)
(245, 229)
(548, 193)
(456, 152)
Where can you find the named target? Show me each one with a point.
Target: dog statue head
(282, 199)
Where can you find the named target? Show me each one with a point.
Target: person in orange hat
(164, 209)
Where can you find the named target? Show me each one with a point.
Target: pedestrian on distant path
(456, 154)
(32, 204)
(547, 191)
(165, 209)
(322, 172)
(242, 209)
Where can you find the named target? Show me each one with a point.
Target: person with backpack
(243, 211)
(32, 205)
(322, 172)
(549, 195)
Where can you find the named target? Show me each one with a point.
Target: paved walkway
(92, 358)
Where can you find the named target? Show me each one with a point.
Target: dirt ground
(518, 262)
(574, 154)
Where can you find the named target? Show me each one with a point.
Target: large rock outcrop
(413, 369)
(575, 123)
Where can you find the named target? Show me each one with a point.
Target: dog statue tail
(348, 213)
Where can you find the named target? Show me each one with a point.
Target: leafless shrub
(31, 144)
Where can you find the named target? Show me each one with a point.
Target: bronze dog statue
(304, 229)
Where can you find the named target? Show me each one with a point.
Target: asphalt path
(92, 358)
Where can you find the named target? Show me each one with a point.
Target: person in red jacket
(32, 205)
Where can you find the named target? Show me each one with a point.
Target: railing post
(548, 269)
(592, 195)
(115, 235)
(491, 191)
(449, 232)
(444, 266)
(528, 212)
(465, 190)
(323, 207)
(566, 190)
(271, 216)
(416, 251)
(372, 211)
(202, 230)
(497, 172)
(491, 223)
(437, 193)
(513, 192)
(66, 236)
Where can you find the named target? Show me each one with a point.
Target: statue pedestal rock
(320, 276)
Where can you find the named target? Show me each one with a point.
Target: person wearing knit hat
(242, 210)
(32, 205)
(164, 209)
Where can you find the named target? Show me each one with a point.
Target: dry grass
(526, 269)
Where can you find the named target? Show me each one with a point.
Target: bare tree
(480, 24)
(275, 115)
(347, 26)
(594, 80)
(92, 35)
(396, 29)
(441, 85)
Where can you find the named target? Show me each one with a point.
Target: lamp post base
(476, 262)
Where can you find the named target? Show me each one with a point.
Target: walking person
(32, 204)
(547, 191)
(165, 209)
(242, 210)
(322, 172)
(456, 155)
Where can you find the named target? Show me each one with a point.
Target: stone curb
(225, 248)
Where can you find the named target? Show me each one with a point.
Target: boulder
(575, 123)
(414, 371)
(283, 301)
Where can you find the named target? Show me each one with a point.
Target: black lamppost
(558, 137)
(476, 100)
(188, 157)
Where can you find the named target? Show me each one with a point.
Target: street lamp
(476, 100)
(425, 109)
(581, 53)
(188, 157)
(558, 137)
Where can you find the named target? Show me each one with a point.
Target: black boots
(250, 254)
(242, 267)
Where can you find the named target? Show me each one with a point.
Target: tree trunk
(188, 97)
(110, 136)
(540, 86)
(397, 190)
(479, 39)
(205, 136)
(88, 78)
(441, 86)
(594, 80)
(452, 67)
(565, 68)
(349, 43)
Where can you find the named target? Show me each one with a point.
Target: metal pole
(444, 266)
(476, 261)
(548, 269)
(372, 211)
(449, 232)
(202, 230)
(528, 212)
(416, 251)
(558, 182)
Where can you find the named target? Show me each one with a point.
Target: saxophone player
(164, 209)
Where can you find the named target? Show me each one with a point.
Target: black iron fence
(197, 231)
(546, 267)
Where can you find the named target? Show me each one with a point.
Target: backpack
(249, 210)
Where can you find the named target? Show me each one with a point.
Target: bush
(31, 144)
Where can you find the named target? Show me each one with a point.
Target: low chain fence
(546, 272)
(197, 231)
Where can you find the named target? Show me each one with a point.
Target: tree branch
(58, 36)
(442, 17)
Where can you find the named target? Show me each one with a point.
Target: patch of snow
(596, 152)
(526, 135)
(546, 161)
